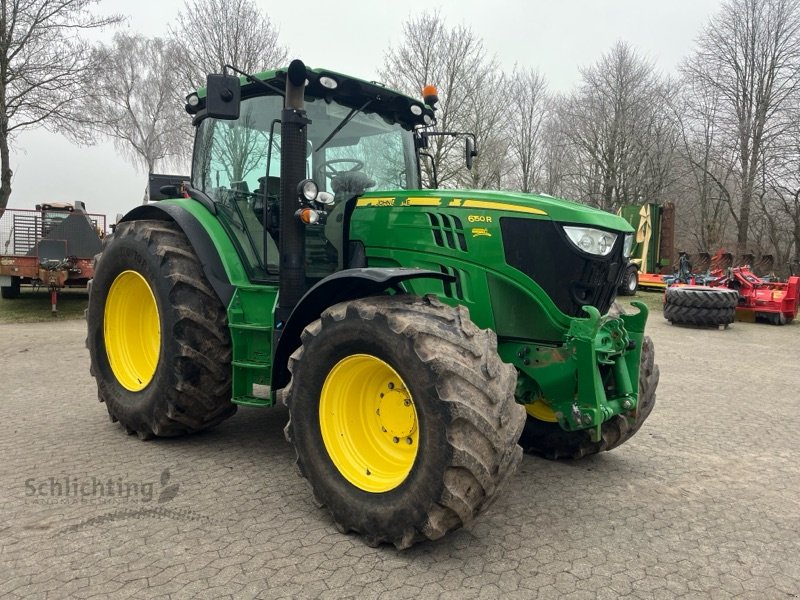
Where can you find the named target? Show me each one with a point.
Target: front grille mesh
(571, 278)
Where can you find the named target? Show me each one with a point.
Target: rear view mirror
(223, 96)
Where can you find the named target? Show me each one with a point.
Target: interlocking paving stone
(702, 503)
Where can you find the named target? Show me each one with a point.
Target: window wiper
(353, 112)
(252, 79)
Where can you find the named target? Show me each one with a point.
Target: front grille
(571, 278)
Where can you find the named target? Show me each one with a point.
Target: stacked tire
(701, 306)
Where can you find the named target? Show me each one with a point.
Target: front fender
(339, 287)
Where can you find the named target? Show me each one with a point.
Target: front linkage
(602, 355)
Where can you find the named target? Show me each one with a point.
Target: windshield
(239, 169)
(232, 155)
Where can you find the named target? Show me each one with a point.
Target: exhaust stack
(294, 136)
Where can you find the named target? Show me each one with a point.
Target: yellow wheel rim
(539, 410)
(132, 331)
(369, 423)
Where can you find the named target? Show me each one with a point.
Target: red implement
(773, 301)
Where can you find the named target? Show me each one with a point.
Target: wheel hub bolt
(626, 404)
(409, 441)
(391, 385)
(396, 439)
(406, 402)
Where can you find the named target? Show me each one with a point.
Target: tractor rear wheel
(402, 416)
(157, 334)
(9, 292)
(549, 440)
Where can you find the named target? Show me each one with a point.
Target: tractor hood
(541, 205)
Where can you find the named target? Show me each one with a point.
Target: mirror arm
(433, 169)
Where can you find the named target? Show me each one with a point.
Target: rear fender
(349, 284)
(206, 251)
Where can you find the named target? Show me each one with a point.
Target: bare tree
(455, 60)
(528, 111)
(750, 53)
(46, 68)
(779, 199)
(619, 130)
(213, 33)
(556, 151)
(486, 118)
(708, 164)
(135, 103)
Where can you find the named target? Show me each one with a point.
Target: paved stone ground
(703, 503)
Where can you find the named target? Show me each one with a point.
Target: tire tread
(477, 389)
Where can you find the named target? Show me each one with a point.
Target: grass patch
(654, 299)
(34, 306)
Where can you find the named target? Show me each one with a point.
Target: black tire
(777, 318)
(190, 389)
(630, 283)
(701, 297)
(550, 441)
(463, 394)
(10, 292)
(700, 317)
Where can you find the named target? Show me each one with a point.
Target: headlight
(325, 198)
(628, 245)
(592, 241)
(307, 190)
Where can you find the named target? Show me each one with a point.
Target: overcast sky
(555, 36)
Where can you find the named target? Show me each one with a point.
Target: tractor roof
(344, 89)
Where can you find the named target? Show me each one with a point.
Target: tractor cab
(360, 136)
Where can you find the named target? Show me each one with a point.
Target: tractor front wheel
(402, 416)
(157, 334)
(546, 438)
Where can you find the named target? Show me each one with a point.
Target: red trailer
(52, 246)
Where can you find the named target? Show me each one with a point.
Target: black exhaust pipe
(294, 135)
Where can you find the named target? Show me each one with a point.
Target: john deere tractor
(417, 336)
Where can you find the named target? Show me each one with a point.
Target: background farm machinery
(52, 246)
(718, 290)
(709, 290)
(759, 297)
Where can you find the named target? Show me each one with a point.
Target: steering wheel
(329, 166)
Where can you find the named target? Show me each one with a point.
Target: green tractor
(417, 336)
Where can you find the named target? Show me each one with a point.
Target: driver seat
(345, 186)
